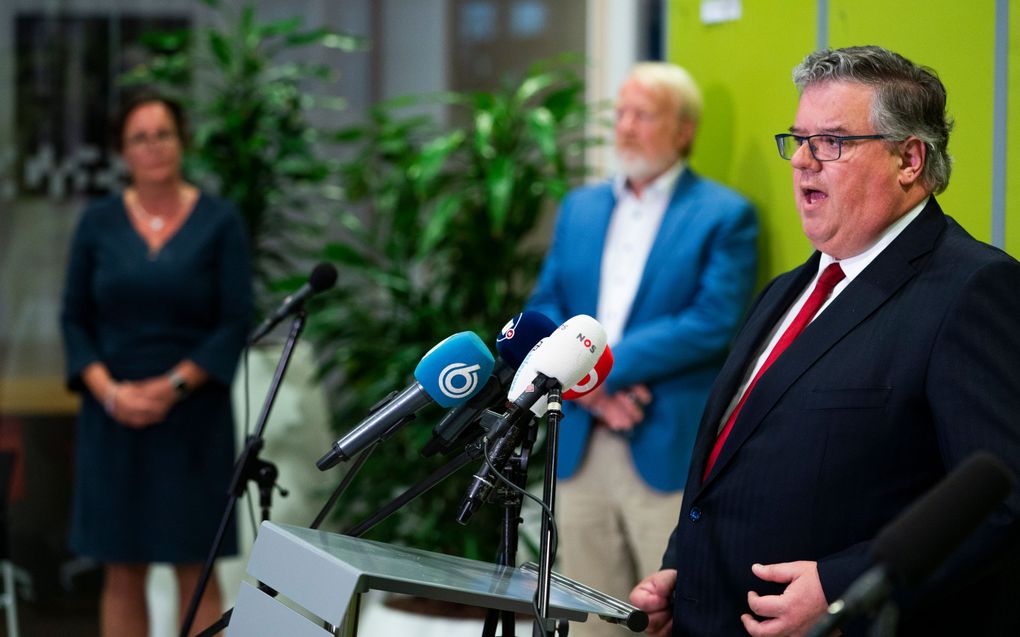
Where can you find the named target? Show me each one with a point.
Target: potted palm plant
(439, 237)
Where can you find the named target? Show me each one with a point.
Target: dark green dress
(155, 494)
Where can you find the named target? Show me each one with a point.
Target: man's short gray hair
(910, 100)
(678, 83)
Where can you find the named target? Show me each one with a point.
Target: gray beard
(640, 168)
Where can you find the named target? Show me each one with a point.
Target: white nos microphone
(588, 383)
(526, 375)
(565, 356)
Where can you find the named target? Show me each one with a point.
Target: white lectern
(318, 578)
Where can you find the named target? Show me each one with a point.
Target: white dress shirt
(632, 230)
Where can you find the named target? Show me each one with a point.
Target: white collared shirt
(852, 266)
(633, 227)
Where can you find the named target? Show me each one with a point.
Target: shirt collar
(852, 266)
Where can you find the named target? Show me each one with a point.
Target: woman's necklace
(155, 222)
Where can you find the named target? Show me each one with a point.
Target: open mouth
(812, 196)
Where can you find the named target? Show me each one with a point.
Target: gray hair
(674, 80)
(910, 100)
(678, 84)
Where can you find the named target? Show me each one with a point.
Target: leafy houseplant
(251, 102)
(437, 243)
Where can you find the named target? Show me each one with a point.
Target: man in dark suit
(811, 443)
(665, 260)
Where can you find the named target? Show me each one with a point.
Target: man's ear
(913, 153)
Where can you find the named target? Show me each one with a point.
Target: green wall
(744, 68)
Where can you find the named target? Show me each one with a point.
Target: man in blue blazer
(911, 367)
(665, 260)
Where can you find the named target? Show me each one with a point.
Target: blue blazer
(694, 289)
(912, 368)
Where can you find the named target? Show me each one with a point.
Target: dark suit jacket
(693, 292)
(913, 367)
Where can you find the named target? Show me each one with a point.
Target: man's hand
(621, 411)
(796, 610)
(591, 400)
(654, 595)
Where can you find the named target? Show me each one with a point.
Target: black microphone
(506, 431)
(482, 483)
(322, 278)
(914, 544)
(454, 426)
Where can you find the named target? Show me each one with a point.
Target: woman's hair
(140, 98)
(910, 100)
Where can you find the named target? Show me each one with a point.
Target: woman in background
(156, 310)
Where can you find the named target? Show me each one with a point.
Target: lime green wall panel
(1013, 128)
(957, 39)
(744, 69)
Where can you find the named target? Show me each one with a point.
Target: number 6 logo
(458, 380)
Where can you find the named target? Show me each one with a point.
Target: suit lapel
(596, 221)
(866, 294)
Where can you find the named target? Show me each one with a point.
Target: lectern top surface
(294, 557)
(385, 565)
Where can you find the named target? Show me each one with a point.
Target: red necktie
(832, 275)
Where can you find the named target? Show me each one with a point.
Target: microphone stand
(342, 487)
(224, 620)
(248, 467)
(547, 550)
(517, 471)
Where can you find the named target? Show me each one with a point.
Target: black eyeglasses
(823, 147)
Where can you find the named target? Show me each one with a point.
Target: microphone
(589, 383)
(566, 356)
(520, 335)
(322, 278)
(481, 484)
(516, 339)
(563, 357)
(448, 375)
(592, 379)
(915, 543)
